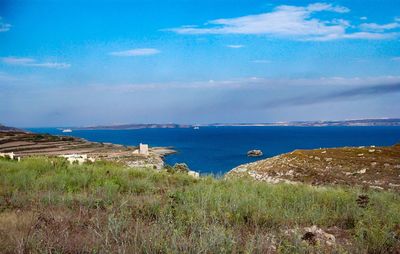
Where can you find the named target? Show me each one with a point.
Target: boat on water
(66, 130)
(196, 127)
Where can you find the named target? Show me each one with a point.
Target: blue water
(218, 149)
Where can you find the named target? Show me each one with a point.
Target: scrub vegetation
(49, 206)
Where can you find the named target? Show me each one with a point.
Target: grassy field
(48, 206)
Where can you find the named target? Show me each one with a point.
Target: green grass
(47, 206)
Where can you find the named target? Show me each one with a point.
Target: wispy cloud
(252, 83)
(30, 62)
(5, 77)
(4, 27)
(235, 46)
(361, 91)
(136, 52)
(397, 59)
(379, 28)
(294, 22)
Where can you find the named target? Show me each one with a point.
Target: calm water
(219, 149)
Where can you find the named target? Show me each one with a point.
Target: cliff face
(375, 167)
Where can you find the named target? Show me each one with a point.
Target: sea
(216, 150)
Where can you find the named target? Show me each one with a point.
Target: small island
(254, 153)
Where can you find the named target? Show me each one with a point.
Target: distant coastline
(355, 122)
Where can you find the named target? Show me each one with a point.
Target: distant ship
(67, 130)
(196, 127)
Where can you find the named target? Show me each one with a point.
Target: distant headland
(353, 122)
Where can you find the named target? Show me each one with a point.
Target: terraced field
(24, 144)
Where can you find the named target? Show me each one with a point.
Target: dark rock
(362, 201)
(254, 153)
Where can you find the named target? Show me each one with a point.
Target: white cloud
(357, 35)
(397, 59)
(136, 52)
(363, 18)
(295, 22)
(379, 28)
(327, 7)
(30, 62)
(4, 27)
(235, 46)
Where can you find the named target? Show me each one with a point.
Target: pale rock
(376, 187)
(321, 237)
(194, 174)
(362, 171)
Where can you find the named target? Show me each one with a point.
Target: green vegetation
(177, 168)
(48, 206)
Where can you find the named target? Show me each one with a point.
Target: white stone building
(143, 149)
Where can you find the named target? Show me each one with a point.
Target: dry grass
(376, 167)
(47, 206)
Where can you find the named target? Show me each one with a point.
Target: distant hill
(359, 122)
(133, 126)
(4, 128)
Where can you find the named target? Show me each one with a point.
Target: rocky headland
(373, 167)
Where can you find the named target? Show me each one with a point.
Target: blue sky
(68, 63)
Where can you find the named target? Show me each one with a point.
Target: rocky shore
(373, 167)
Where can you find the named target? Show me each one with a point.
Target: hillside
(375, 167)
(4, 128)
(133, 126)
(49, 206)
(24, 144)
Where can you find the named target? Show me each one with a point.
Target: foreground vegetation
(48, 206)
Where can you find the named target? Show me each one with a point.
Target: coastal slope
(24, 144)
(374, 167)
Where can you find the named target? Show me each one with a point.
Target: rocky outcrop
(375, 167)
(254, 153)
